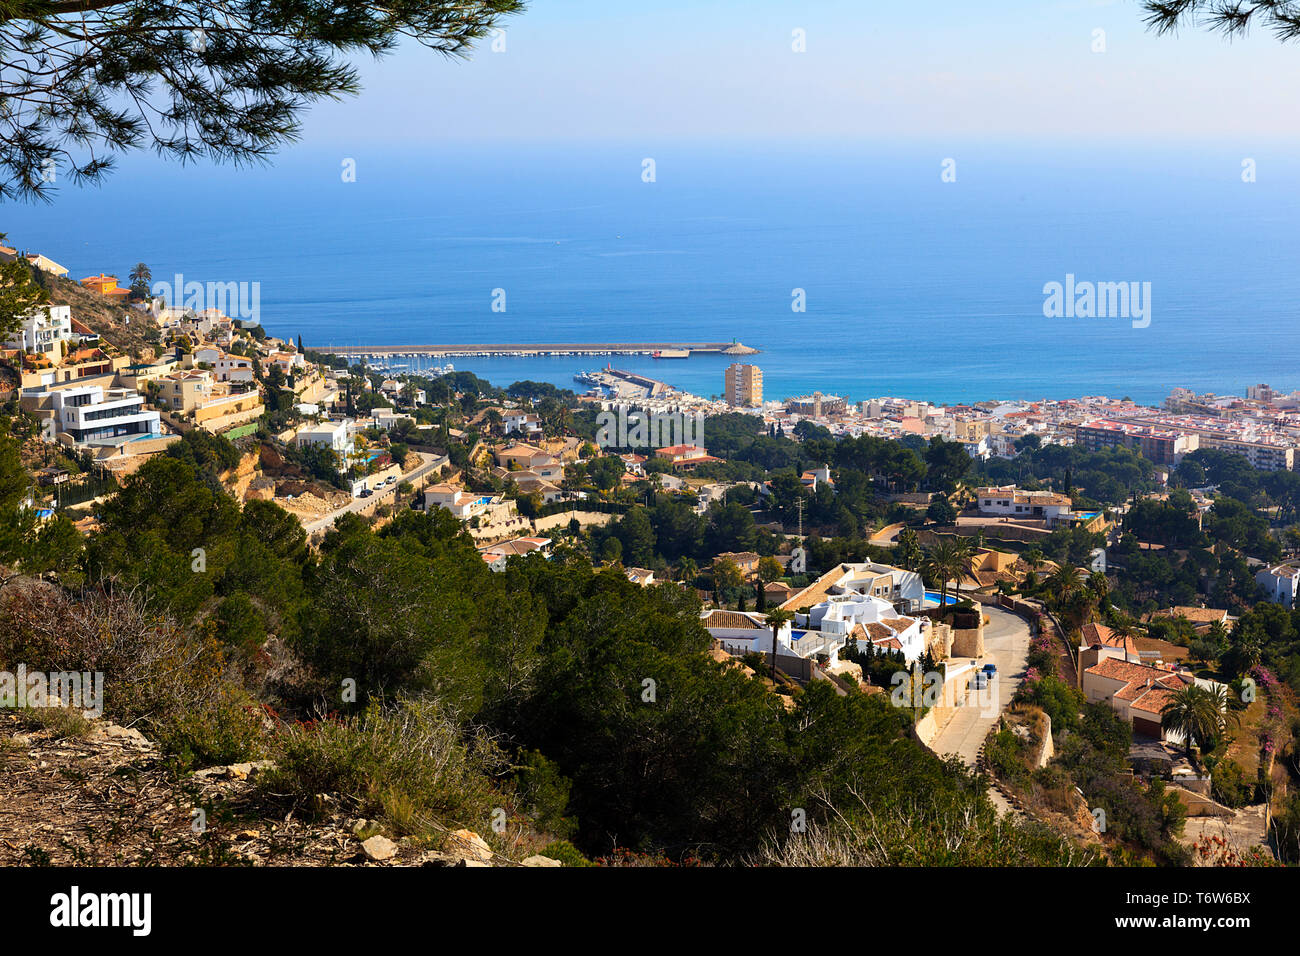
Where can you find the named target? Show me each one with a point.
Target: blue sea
(914, 286)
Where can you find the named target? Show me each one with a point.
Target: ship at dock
(671, 353)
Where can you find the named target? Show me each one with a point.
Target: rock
(242, 771)
(468, 845)
(22, 740)
(360, 826)
(541, 861)
(475, 863)
(123, 735)
(379, 848)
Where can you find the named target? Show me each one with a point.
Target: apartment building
(743, 385)
(1160, 446)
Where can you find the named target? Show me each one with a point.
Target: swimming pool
(932, 598)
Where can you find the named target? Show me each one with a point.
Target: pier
(530, 349)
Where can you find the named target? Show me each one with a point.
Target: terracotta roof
(732, 619)
(898, 623)
(1094, 634)
(879, 632)
(1197, 615)
(1147, 688)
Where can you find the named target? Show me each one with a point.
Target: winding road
(1006, 643)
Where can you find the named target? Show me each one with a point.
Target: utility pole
(799, 505)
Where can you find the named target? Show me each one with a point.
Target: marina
(657, 350)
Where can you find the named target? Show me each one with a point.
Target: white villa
(1011, 502)
(43, 331)
(94, 415)
(336, 436)
(1281, 582)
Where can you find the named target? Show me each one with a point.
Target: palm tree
(948, 561)
(1126, 629)
(776, 619)
(1199, 714)
(1064, 581)
(1099, 584)
(687, 569)
(1182, 714)
(965, 555)
(140, 279)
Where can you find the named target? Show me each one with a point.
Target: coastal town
(995, 570)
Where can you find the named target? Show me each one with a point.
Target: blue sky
(719, 70)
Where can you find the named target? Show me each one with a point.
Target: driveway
(1006, 643)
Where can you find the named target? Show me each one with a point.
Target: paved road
(427, 464)
(1006, 643)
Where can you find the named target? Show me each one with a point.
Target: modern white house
(43, 330)
(94, 415)
(336, 436)
(1281, 583)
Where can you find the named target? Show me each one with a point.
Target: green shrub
(224, 731)
(1229, 784)
(566, 853)
(407, 763)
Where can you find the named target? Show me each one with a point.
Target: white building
(1281, 582)
(43, 331)
(840, 615)
(516, 420)
(233, 368)
(94, 415)
(336, 436)
(740, 632)
(903, 589)
(467, 504)
(1014, 503)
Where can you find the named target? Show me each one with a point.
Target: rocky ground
(104, 799)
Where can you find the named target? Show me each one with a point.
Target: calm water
(914, 287)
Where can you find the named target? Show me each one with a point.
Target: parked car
(365, 493)
(990, 669)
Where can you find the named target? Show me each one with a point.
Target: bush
(406, 763)
(227, 730)
(566, 853)
(1229, 784)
